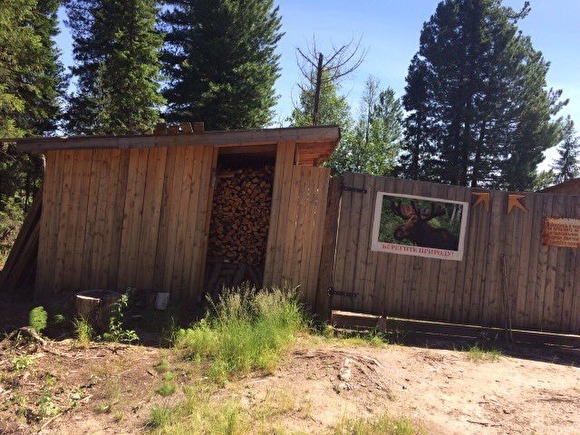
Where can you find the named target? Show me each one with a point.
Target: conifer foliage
(220, 61)
(479, 112)
(567, 166)
(116, 50)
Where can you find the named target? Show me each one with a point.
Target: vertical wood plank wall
(114, 218)
(542, 282)
(296, 224)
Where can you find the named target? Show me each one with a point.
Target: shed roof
(570, 187)
(314, 144)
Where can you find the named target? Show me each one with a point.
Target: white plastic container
(161, 301)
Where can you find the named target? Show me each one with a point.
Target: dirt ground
(61, 388)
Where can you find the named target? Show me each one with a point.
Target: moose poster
(421, 226)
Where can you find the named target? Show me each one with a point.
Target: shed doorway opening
(240, 218)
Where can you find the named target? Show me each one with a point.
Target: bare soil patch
(61, 388)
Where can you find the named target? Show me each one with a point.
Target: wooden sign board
(561, 232)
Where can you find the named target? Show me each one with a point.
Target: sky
(389, 30)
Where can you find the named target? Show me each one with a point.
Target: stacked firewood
(241, 216)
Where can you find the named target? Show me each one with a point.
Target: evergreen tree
(568, 166)
(31, 84)
(374, 142)
(116, 49)
(31, 79)
(334, 109)
(479, 110)
(220, 61)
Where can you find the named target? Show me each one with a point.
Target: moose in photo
(416, 227)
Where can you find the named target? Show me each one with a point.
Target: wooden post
(325, 280)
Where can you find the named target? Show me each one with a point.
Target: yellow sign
(561, 232)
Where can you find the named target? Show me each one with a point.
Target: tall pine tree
(479, 110)
(31, 76)
(116, 50)
(31, 85)
(567, 166)
(220, 61)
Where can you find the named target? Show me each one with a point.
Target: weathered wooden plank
(306, 232)
(106, 212)
(341, 241)
(292, 215)
(394, 281)
(574, 289)
(116, 233)
(192, 244)
(172, 228)
(183, 222)
(565, 275)
(315, 257)
(297, 249)
(328, 252)
(43, 276)
(162, 240)
(320, 194)
(208, 166)
(132, 221)
(522, 253)
(533, 287)
(384, 267)
(279, 216)
(542, 280)
(453, 303)
(151, 216)
(477, 214)
(84, 167)
(72, 222)
(307, 267)
(366, 258)
(491, 305)
(88, 249)
(553, 298)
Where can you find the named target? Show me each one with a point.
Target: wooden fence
(506, 275)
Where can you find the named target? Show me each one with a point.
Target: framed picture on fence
(420, 226)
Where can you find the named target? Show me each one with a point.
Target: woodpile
(239, 227)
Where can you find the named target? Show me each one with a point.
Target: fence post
(327, 255)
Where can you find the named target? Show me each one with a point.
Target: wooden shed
(569, 187)
(137, 211)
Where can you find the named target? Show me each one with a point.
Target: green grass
(244, 331)
(167, 387)
(478, 354)
(384, 425)
(199, 414)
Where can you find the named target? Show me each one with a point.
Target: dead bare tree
(317, 68)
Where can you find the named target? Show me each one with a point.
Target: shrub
(244, 330)
(37, 319)
(117, 332)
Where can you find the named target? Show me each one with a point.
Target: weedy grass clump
(84, 332)
(478, 354)
(383, 425)
(244, 330)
